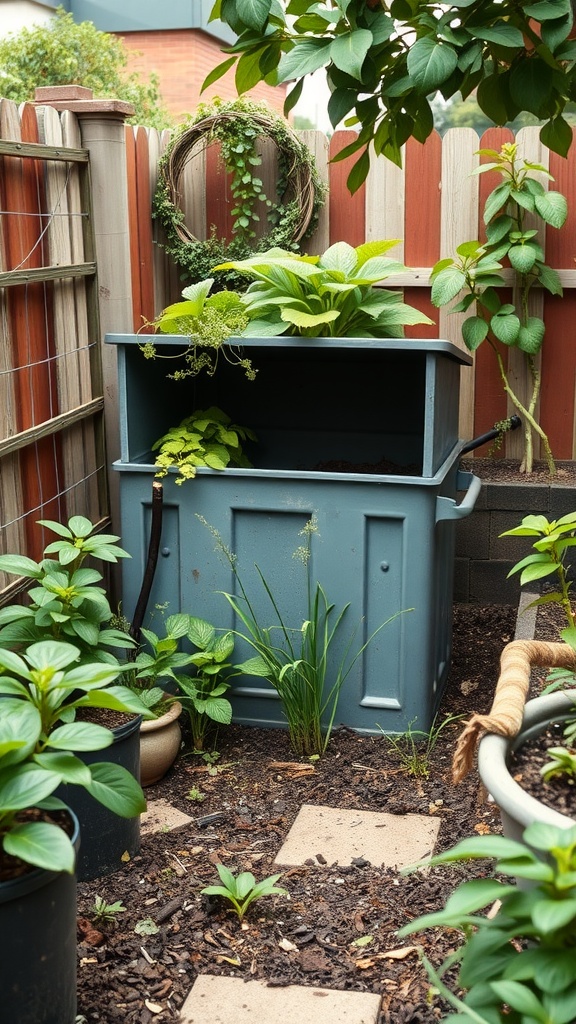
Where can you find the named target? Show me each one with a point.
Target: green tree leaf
(349, 51)
(430, 63)
(303, 59)
(552, 207)
(446, 285)
(506, 328)
(474, 330)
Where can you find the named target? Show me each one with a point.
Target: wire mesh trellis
(52, 461)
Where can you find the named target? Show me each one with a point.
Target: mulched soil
(338, 927)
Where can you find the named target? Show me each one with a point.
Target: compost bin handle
(446, 508)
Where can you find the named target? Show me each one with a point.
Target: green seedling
(105, 913)
(196, 795)
(562, 762)
(414, 747)
(243, 890)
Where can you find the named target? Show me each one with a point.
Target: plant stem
(530, 423)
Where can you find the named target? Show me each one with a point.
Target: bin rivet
(165, 552)
(384, 566)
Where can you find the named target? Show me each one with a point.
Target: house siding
(182, 58)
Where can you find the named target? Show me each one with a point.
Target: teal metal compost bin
(360, 435)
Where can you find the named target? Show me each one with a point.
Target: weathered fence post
(102, 133)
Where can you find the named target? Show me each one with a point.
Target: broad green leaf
(520, 998)
(340, 256)
(23, 786)
(304, 58)
(218, 709)
(552, 207)
(552, 915)
(478, 893)
(253, 12)
(531, 336)
(531, 84)
(115, 788)
(304, 320)
(70, 768)
(505, 328)
(446, 285)
(80, 736)
(349, 50)
(430, 63)
(218, 72)
(549, 279)
(474, 330)
(52, 654)
(491, 96)
(80, 526)
(501, 33)
(522, 257)
(42, 844)
(545, 10)
(20, 565)
(557, 135)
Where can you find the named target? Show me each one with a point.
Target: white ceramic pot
(517, 808)
(160, 740)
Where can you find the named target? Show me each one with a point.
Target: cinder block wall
(483, 558)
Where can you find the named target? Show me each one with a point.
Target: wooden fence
(432, 204)
(52, 462)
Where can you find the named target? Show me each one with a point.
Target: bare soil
(338, 927)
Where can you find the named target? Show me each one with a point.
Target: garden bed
(256, 790)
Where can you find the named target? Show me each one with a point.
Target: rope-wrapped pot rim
(505, 716)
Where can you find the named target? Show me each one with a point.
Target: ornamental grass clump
(300, 662)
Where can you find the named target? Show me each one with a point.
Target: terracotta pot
(160, 740)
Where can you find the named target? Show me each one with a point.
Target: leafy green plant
(196, 795)
(208, 320)
(554, 538)
(243, 890)
(106, 913)
(202, 695)
(66, 51)
(207, 438)
(159, 660)
(415, 747)
(562, 762)
(385, 63)
(299, 664)
(331, 295)
(516, 966)
(476, 270)
(65, 601)
(41, 692)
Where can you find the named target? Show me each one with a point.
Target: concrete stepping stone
(221, 1000)
(335, 835)
(160, 816)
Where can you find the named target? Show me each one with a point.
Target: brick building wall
(182, 58)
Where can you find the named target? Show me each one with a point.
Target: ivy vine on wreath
(291, 215)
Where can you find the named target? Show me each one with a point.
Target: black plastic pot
(38, 929)
(106, 838)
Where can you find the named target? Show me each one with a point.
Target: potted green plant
(513, 720)
(41, 691)
(517, 963)
(65, 602)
